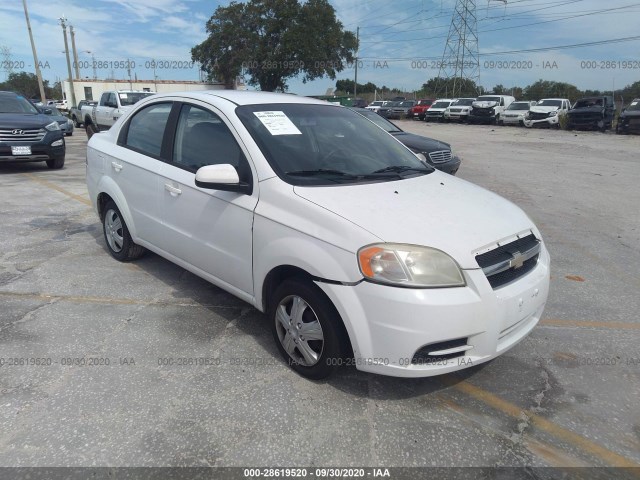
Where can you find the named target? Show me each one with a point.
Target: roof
(244, 97)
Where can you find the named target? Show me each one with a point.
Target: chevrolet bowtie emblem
(517, 261)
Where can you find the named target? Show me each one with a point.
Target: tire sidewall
(127, 242)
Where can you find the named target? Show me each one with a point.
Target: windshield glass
(376, 104)
(425, 102)
(16, 104)
(440, 105)
(519, 106)
(588, 102)
(635, 105)
(408, 103)
(488, 99)
(550, 103)
(310, 144)
(463, 102)
(378, 120)
(129, 98)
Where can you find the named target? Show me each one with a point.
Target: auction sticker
(277, 123)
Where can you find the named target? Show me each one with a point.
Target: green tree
(26, 84)
(441, 87)
(347, 86)
(550, 89)
(272, 41)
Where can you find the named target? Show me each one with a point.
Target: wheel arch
(109, 190)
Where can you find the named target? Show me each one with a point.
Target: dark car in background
(629, 119)
(28, 134)
(436, 153)
(592, 113)
(66, 125)
(399, 109)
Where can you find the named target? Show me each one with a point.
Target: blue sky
(398, 39)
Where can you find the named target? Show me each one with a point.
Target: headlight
(53, 126)
(553, 114)
(409, 266)
(526, 115)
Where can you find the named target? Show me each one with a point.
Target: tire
(68, 134)
(318, 317)
(76, 123)
(55, 163)
(500, 123)
(117, 237)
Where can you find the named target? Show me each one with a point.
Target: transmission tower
(7, 62)
(460, 59)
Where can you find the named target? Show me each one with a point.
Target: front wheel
(55, 163)
(307, 328)
(116, 233)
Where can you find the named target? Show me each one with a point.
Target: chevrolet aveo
(357, 251)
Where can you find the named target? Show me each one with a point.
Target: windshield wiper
(320, 172)
(402, 168)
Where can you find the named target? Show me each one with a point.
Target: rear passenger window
(202, 138)
(146, 129)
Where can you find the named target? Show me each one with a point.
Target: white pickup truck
(111, 106)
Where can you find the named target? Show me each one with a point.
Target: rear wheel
(76, 123)
(307, 328)
(119, 242)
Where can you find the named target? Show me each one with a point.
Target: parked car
(436, 111)
(547, 112)
(516, 113)
(375, 105)
(458, 111)
(592, 113)
(434, 152)
(75, 113)
(385, 110)
(420, 108)
(27, 134)
(112, 105)
(61, 104)
(629, 119)
(400, 110)
(66, 125)
(359, 103)
(489, 108)
(352, 246)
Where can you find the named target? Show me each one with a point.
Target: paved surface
(566, 396)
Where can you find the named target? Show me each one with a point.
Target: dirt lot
(566, 396)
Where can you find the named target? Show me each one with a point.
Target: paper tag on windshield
(122, 96)
(277, 123)
(634, 103)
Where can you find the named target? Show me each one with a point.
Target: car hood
(434, 210)
(543, 109)
(24, 120)
(630, 114)
(484, 104)
(438, 109)
(586, 110)
(420, 143)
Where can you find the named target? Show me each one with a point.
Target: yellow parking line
(591, 324)
(48, 184)
(548, 426)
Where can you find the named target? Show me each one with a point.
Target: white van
(489, 108)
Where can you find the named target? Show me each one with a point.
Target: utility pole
(75, 52)
(93, 63)
(129, 72)
(43, 98)
(63, 22)
(355, 87)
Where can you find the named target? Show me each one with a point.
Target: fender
(110, 187)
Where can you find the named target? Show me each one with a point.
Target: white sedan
(357, 251)
(515, 113)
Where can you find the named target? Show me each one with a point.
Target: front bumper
(389, 325)
(512, 120)
(551, 121)
(456, 116)
(40, 151)
(450, 166)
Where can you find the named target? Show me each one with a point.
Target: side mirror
(47, 111)
(221, 177)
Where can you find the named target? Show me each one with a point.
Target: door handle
(172, 190)
(116, 166)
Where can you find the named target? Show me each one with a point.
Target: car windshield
(488, 99)
(440, 105)
(408, 103)
(129, 98)
(425, 102)
(635, 105)
(376, 104)
(380, 121)
(588, 102)
(392, 104)
(463, 102)
(550, 103)
(519, 106)
(16, 104)
(309, 144)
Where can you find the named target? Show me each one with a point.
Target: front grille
(431, 354)
(538, 115)
(585, 118)
(434, 114)
(482, 112)
(457, 110)
(440, 156)
(511, 261)
(27, 135)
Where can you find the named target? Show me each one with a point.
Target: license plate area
(21, 150)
